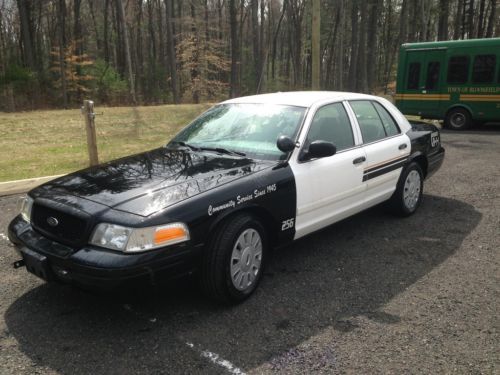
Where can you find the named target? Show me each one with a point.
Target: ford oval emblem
(52, 221)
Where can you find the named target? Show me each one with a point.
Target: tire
(233, 264)
(409, 191)
(458, 119)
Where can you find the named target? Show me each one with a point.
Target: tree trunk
(491, 20)
(94, 23)
(254, 5)
(423, 22)
(26, 33)
(295, 42)
(195, 73)
(340, 47)
(162, 61)
(139, 49)
(457, 24)
(219, 18)
(263, 56)
(373, 12)
(152, 87)
(353, 61)
(470, 19)
(126, 47)
(315, 45)
(77, 40)
(172, 57)
(480, 21)
(275, 39)
(62, 50)
(205, 19)
(362, 79)
(444, 6)
(235, 50)
(403, 31)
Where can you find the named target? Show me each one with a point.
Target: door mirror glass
(285, 144)
(320, 149)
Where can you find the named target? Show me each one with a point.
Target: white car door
(386, 147)
(328, 188)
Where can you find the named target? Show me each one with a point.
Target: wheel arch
(421, 160)
(267, 220)
(461, 106)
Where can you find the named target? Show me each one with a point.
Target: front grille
(69, 226)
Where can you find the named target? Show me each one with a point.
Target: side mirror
(285, 144)
(320, 149)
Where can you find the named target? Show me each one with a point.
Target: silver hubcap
(457, 120)
(246, 259)
(411, 193)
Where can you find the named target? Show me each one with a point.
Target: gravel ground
(372, 294)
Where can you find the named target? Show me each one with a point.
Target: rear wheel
(408, 195)
(458, 119)
(233, 264)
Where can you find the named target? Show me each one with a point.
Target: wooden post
(88, 113)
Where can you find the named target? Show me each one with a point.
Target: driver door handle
(359, 160)
(403, 146)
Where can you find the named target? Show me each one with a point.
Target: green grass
(43, 143)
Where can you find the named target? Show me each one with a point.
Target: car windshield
(242, 129)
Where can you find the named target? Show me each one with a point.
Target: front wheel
(233, 264)
(458, 119)
(408, 195)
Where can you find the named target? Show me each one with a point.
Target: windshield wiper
(184, 144)
(221, 150)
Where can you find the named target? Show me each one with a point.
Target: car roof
(297, 98)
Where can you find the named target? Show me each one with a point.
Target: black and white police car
(249, 174)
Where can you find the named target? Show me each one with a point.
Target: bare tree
(235, 49)
(126, 46)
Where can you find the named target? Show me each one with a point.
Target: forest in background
(54, 53)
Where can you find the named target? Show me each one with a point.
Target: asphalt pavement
(371, 294)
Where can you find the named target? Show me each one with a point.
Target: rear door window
(369, 121)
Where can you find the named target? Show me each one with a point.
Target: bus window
(432, 75)
(413, 76)
(458, 67)
(483, 69)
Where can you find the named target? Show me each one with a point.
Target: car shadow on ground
(350, 269)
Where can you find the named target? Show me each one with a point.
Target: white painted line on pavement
(217, 360)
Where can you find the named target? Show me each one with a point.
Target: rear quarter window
(369, 121)
(390, 126)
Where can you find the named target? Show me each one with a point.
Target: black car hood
(146, 183)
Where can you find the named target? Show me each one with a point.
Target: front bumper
(97, 267)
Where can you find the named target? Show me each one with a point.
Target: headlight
(133, 240)
(25, 204)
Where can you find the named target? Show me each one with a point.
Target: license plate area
(37, 264)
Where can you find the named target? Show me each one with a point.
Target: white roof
(298, 98)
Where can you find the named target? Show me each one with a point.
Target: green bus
(455, 81)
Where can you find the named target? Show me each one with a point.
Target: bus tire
(458, 119)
